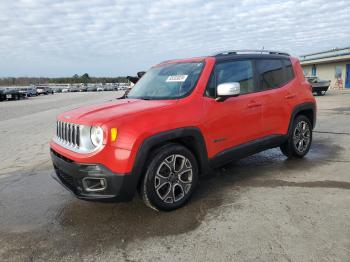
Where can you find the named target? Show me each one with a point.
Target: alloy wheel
(173, 179)
(302, 136)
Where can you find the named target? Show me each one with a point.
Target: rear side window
(270, 73)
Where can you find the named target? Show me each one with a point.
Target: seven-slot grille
(68, 133)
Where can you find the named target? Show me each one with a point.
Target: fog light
(94, 184)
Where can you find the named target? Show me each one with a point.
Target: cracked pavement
(261, 208)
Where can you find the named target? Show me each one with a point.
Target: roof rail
(250, 51)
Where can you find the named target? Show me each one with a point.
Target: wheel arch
(190, 137)
(306, 109)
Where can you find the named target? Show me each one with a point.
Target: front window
(170, 81)
(240, 71)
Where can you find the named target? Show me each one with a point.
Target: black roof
(241, 54)
(250, 51)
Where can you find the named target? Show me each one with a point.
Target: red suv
(182, 119)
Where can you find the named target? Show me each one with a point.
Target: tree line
(76, 79)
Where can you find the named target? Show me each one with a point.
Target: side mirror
(226, 90)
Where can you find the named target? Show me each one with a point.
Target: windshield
(167, 82)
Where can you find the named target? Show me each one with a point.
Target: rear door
(275, 79)
(236, 120)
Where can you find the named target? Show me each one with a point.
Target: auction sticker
(177, 78)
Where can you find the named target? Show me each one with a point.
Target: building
(331, 65)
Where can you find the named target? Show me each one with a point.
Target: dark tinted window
(289, 70)
(270, 73)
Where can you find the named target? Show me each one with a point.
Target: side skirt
(246, 149)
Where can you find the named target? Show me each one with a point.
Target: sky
(121, 37)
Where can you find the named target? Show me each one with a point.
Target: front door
(237, 120)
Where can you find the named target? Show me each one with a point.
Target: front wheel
(300, 138)
(170, 179)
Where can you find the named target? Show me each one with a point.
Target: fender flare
(197, 143)
(299, 108)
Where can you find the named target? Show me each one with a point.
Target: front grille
(68, 133)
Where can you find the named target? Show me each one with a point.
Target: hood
(102, 113)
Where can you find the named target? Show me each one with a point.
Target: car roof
(254, 54)
(232, 54)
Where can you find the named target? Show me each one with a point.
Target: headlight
(96, 135)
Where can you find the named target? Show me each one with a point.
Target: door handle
(253, 104)
(290, 96)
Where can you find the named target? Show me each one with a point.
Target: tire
(300, 138)
(170, 179)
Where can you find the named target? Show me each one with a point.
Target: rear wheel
(170, 179)
(300, 138)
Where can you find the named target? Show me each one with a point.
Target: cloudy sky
(119, 37)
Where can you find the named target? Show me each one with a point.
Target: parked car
(28, 91)
(13, 94)
(74, 89)
(57, 90)
(2, 94)
(65, 90)
(100, 88)
(320, 87)
(44, 90)
(185, 119)
(109, 88)
(83, 89)
(91, 89)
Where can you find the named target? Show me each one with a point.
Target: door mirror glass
(228, 89)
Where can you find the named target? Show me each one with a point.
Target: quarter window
(270, 73)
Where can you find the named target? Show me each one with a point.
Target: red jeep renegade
(182, 119)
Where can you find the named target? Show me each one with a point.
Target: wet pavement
(264, 207)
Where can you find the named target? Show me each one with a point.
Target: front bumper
(73, 176)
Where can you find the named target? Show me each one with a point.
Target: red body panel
(223, 124)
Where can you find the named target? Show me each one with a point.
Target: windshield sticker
(176, 78)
